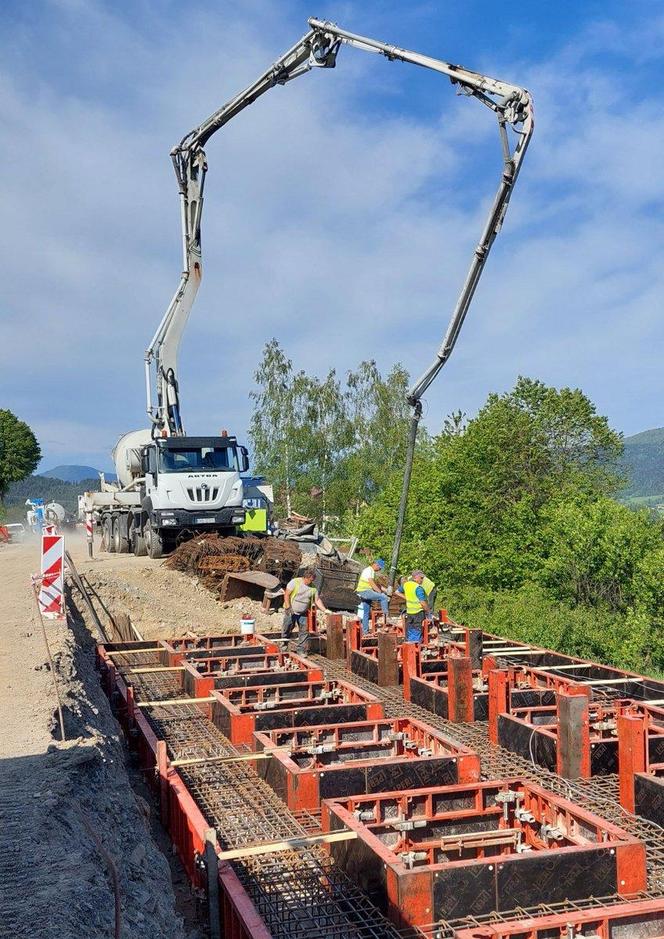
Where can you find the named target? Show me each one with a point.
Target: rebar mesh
(598, 795)
(300, 894)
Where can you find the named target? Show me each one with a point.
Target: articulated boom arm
(189, 162)
(319, 47)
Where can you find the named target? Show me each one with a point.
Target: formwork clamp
(551, 832)
(409, 858)
(364, 815)
(506, 798)
(408, 824)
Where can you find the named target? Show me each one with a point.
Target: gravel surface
(164, 603)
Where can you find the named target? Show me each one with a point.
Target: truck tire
(121, 535)
(139, 546)
(154, 542)
(108, 535)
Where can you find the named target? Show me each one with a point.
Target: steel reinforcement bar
(599, 794)
(297, 893)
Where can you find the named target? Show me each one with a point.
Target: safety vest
(428, 585)
(298, 581)
(413, 604)
(363, 584)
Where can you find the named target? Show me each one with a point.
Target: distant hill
(48, 489)
(73, 473)
(643, 464)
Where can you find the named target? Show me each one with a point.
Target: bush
(627, 640)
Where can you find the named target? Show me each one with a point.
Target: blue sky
(340, 211)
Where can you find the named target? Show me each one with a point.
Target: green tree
(480, 494)
(327, 449)
(595, 550)
(19, 450)
(274, 428)
(378, 413)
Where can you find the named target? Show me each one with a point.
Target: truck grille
(203, 494)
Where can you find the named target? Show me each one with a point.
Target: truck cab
(191, 485)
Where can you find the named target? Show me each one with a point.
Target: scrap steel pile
(214, 559)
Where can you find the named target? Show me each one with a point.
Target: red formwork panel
(180, 815)
(313, 763)
(640, 730)
(238, 712)
(201, 647)
(446, 852)
(200, 676)
(638, 920)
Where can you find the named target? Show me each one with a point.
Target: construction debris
(236, 567)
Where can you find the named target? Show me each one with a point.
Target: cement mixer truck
(169, 489)
(171, 486)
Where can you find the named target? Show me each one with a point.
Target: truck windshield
(203, 460)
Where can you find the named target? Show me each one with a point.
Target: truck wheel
(140, 548)
(108, 539)
(121, 536)
(154, 542)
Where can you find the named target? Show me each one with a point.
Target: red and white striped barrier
(52, 587)
(89, 531)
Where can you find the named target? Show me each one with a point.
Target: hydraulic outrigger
(319, 48)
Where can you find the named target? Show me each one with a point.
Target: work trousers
(367, 597)
(291, 620)
(414, 623)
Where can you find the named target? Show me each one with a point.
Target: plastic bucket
(247, 626)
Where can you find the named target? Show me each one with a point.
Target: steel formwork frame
(460, 693)
(201, 676)
(327, 761)
(288, 895)
(642, 919)
(640, 730)
(536, 732)
(179, 813)
(271, 899)
(506, 835)
(238, 712)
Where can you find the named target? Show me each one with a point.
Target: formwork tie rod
(239, 758)
(113, 653)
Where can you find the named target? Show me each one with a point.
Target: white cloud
(335, 219)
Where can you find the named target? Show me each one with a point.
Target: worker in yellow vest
(299, 597)
(417, 608)
(368, 590)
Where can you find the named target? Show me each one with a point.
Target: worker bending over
(299, 597)
(368, 590)
(417, 607)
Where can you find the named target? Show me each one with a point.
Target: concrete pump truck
(171, 485)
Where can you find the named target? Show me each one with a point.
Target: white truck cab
(193, 483)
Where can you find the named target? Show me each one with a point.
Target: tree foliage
(328, 449)
(19, 450)
(513, 516)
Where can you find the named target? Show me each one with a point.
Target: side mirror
(149, 461)
(244, 461)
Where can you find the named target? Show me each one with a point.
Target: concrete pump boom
(318, 48)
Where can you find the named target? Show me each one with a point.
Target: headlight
(237, 519)
(168, 521)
